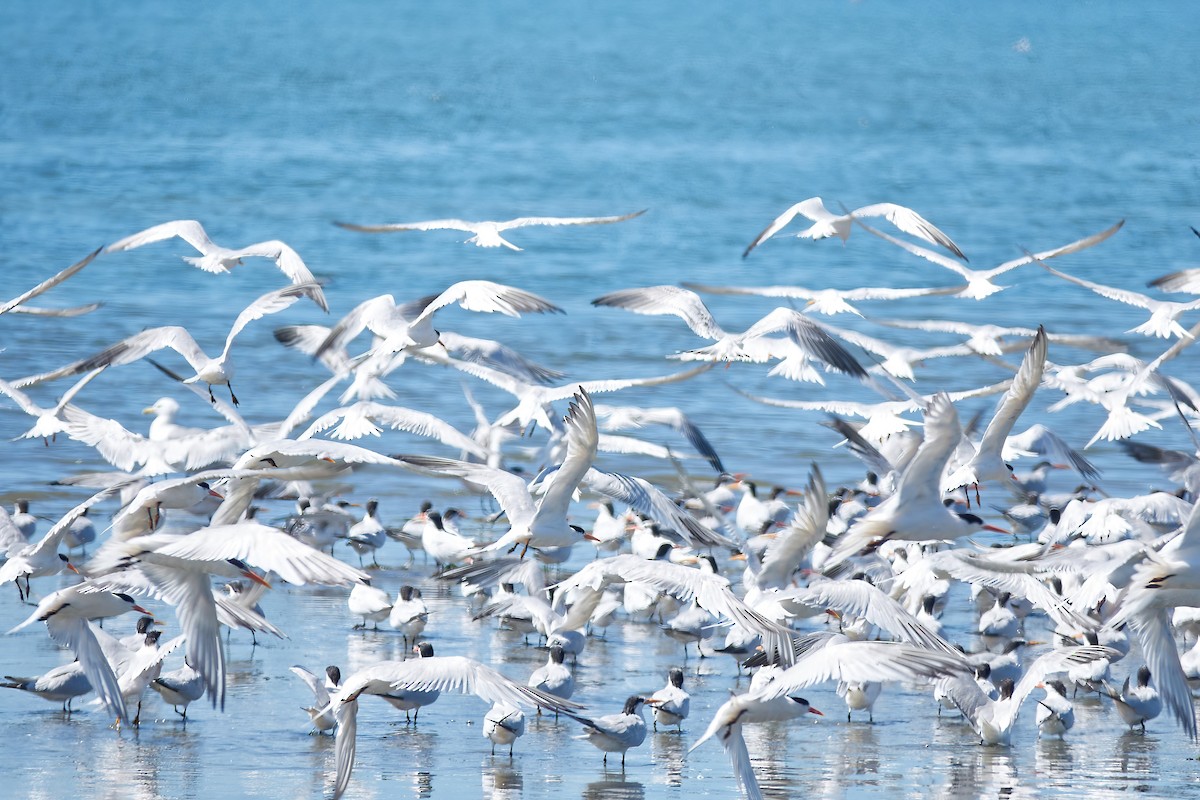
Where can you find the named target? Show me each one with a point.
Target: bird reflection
(501, 780)
(1135, 754)
(614, 787)
(668, 751)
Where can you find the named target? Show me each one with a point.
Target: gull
(409, 614)
(66, 614)
(487, 233)
(915, 512)
(49, 283)
(503, 724)
(1164, 314)
(825, 301)
(214, 258)
(59, 685)
(826, 223)
(687, 305)
(428, 673)
(211, 371)
(616, 733)
(979, 282)
(405, 327)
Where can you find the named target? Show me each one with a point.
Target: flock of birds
(845, 586)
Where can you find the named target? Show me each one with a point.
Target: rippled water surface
(1009, 126)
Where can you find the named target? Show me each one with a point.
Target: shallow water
(1026, 125)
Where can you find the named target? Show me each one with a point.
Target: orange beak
(256, 578)
(812, 710)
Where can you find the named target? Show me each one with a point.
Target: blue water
(1007, 125)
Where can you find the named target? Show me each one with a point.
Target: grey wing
(189, 230)
(642, 496)
(77, 634)
(522, 222)
(427, 225)
(49, 283)
(655, 300)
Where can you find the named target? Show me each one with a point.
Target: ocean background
(1009, 126)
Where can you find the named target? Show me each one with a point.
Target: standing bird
(540, 523)
(368, 534)
(26, 523)
(66, 614)
(1139, 704)
(671, 703)
(320, 712)
(486, 233)
(180, 687)
(60, 685)
(409, 613)
(503, 724)
(1055, 713)
(370, 603)
(430, 674)
(616, 733)
(554, 677)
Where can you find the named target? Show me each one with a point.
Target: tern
(487, 233)
(826, 223)
(428, 673)
(979, 282)
(214, 258)
(212, 371)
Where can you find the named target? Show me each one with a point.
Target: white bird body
(671, 703)
(59, 685)
(616, 733)
(487, 233)
(503, 724)
(180, 687)
(826, 223)
(369, 602)
(214, 258)
(409, 614)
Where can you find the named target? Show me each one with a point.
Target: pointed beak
(211, 493)
(994, 529)
(148, 410)
(141, 610)
(812, 710)
(738, 557)
(72, 567)
(256, 578)
(590, 538)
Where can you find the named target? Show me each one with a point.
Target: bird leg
(525, 550)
